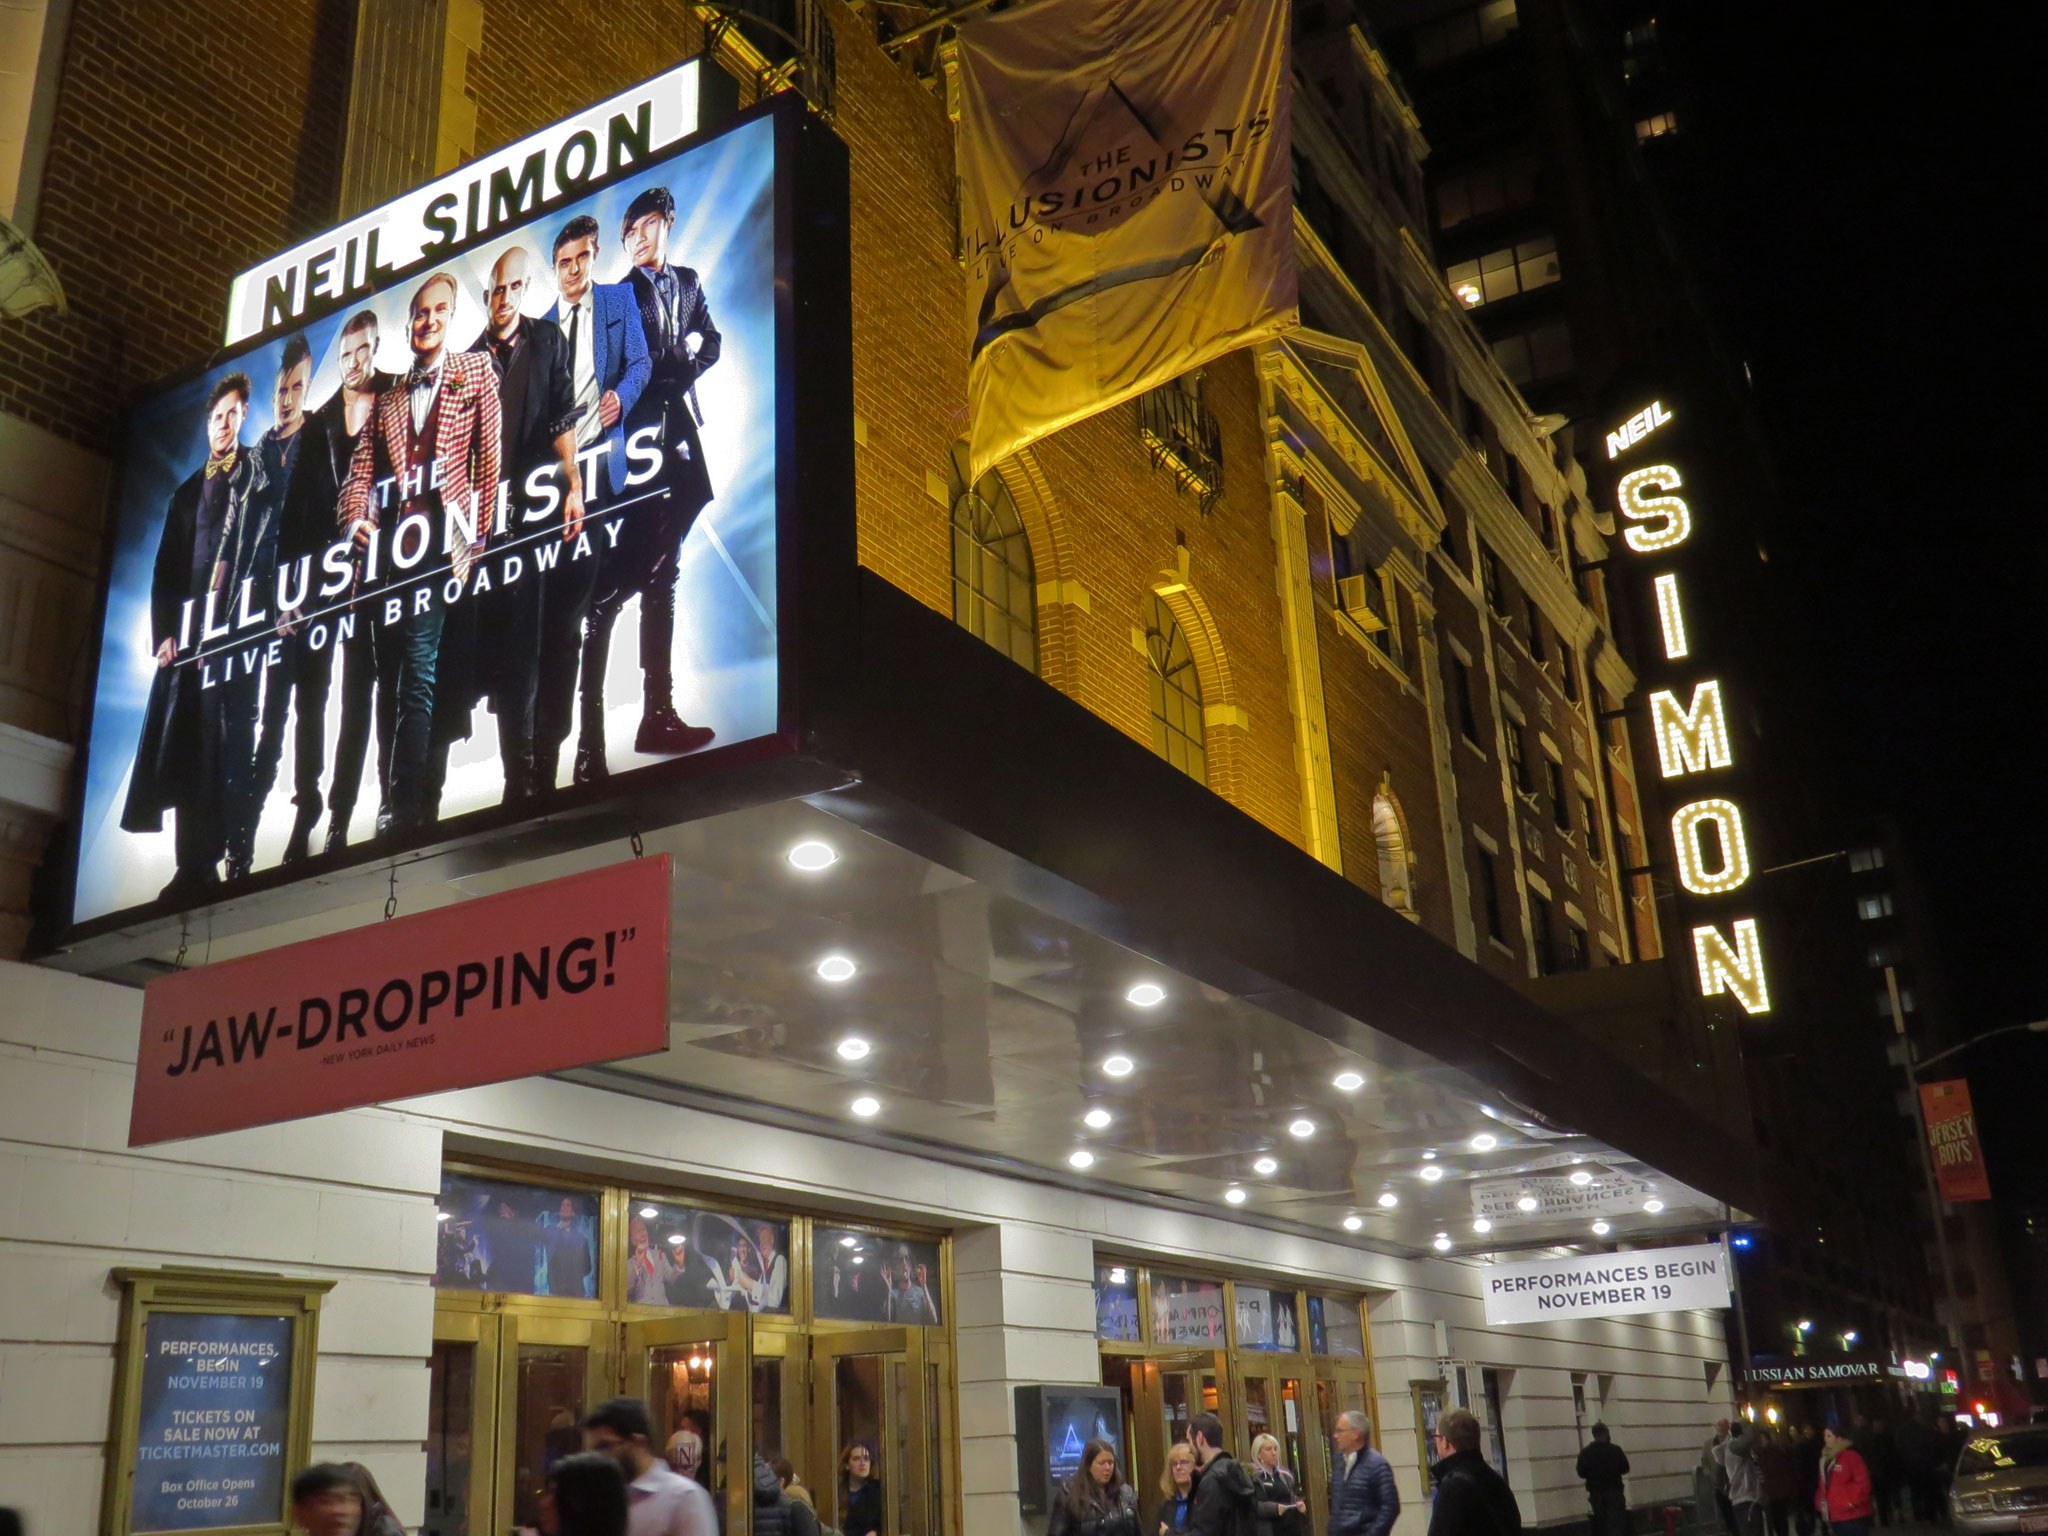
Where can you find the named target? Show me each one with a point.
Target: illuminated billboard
(497, 536)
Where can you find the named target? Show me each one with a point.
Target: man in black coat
(515, 622)
(673, 309)
(198, 730)
(1602, 1466)
(1471, 1498)
(1226, 1501)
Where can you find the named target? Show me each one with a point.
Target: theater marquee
(496, 526)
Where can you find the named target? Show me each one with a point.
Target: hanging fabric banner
(1126, 202)
(1952, 1141)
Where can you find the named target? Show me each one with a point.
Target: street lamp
(1849, 1337)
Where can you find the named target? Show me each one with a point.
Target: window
(1504, 273)
(1490, 578)
(995, 590)
(1870, 908)
(1465, 32)
(1538, 649)
(1543, 352)
(1461, 685)
(1884, 1001)
(1116, 1302)
(1569, 676)
(1882, 955)
(1540, 929)
(1334, 1327)
(1397, 862)
(1265, 1319)
(1577, 957)
(1662, 125)
(1590, 815)
(1177, 728)
(1525, 777)
(1186, 1311)
(1560, 803)
(1864, 860)
(1486, 189)
(1489, 894)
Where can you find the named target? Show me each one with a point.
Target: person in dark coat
(1226, 1500)
(1177, 1482)
(1779, 1461)
(1363, 1499)
(860, 1491)
(1602, 1466)
(771, 1505)
(1471, 1498)
(673, 309)
(1096, 1501)
(192, 759)
(1281, 1509)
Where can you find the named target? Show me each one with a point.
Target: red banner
(1952, 1141)
(557, 975)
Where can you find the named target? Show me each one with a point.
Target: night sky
(1874, 169)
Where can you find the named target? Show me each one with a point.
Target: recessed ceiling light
(1348, 1082)
(1526, 1204)
(1430, 1172)
(1353, 1223)
(1485, 1141)
(1097, 1119)
(1266, 1165)
(1429, 1156)
(1599, 1229)
(1080, 1157)
(1146, 994)
(442, 1215)
(849, 1242)
(810, 856)
(1582, 1178)
(1442, 1243)
(866, 1106)
(1653, 1206)
(852, 1048)
(1118, 1066)
(1301, 1130)
(1481, 1224)
(1235, 1195)
(675, 1239)
(1388, 1200)
(648, 1213)
(836, 968)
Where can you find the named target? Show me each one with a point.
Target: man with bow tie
(431, 453)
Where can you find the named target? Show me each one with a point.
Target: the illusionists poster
(503, 525)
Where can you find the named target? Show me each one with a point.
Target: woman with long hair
(860, 1491)
(1177, 1482)
(1280, 1509)
(1096, 1500)
(587, 1493)
(378, 1517)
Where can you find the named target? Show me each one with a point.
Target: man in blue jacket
(608, 368)
(1362, 1497)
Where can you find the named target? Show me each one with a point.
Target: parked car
(2001, 1482)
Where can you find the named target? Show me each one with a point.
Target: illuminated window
(1465, 32)
(1544, 352)
(1870, 908)
(1486, 189)
(995, 590)
(1177, 729)
(1663, 125)
(1504, 273)
(1865, 859)
(1884, 1001)
(1489, 895)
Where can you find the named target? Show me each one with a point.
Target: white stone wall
(352, 1196)
(349, 1197)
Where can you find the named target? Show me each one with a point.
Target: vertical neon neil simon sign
(1708, 842)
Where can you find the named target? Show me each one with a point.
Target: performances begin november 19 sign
(1608, 1284)
(210, 1448)
(500, 527)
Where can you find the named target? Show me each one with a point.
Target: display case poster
(872, 1277)
(521, 1239)
(1071, 1421)
(210, 1448)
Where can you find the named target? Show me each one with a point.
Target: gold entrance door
(874, 1387)
(1339, 1388)
(691, 1369)
(507, 1391)
(1270, 1392)
(1162, 1393)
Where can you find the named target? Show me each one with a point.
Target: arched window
(995, 588)
(1397, 859)
(1177, 730)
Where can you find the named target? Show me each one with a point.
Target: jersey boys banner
(1952, 1141)
(1126, 202)
(501, 527)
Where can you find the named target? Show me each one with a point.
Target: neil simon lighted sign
(1708, 842)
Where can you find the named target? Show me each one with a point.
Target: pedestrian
(379, 1519)
(860, 1491)
(1710, 1484)
(1363, 1500)
(327, 1500)
(1471, 1498)
(1225, 1500)
(659, 1500)
(1177, 1482)
(1282, 1511)
(1780, 1463)
(1880, 1454)
(1745, 1478)
(803, 1514)
(1601, 1467)
(772, 1507)
(587, 1495)
(1095, 1501)
(1806, 1453)
(1843, 1497)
